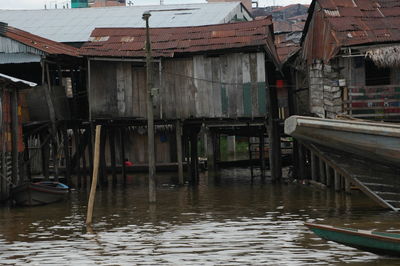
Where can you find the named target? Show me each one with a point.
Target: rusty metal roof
(341, 23)
(167, 42)
(37, 42)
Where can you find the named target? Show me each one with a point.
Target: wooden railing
(373, 101)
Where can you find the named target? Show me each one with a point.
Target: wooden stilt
(178, 132)
(322, 176)
(262, 157)
(193, 157)
(103, 165)
(302, 162)
(313, 167)
(78, 155)
(90, 130)
(328, 175)
(347, 185)
(337, 180)
(15, 135)
(44, 142)
(27, 159)
(122, 153)
(67, 155)
(84, 167)
(111, 141)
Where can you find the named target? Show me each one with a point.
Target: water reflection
(230, 222)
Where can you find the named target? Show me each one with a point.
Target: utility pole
(150, 115)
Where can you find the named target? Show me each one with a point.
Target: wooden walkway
(380, 182)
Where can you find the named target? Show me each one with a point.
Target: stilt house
(350, 57)
(202, 75)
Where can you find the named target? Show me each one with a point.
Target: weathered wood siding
(225, 86)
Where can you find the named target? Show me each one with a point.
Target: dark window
(376, 75)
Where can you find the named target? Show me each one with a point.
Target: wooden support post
(194, 158)
(178, 132)
(122, 153)
(322, 176)
(44, 143)
(111, 141)
(90, 148)
(347, 184)
(337, 180)
(103, 163)
(211, 151)
(14, 136)
(89, 216)
(302, 162)
(27, 159)
(313, 167)
(67, 155)
(328, 175)
(262, 157)
(52, 114)
(78, 154)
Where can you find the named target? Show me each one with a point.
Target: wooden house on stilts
(208, 79)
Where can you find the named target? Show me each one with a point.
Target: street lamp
(150, 115)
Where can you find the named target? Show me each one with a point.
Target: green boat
(371, 241)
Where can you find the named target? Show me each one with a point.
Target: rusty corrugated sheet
(166, 42)
(37, 42)
(333, 24)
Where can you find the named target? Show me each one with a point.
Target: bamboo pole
(92, 195)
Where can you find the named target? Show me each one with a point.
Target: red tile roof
(167, 42)
(45, 45)
(342, 23)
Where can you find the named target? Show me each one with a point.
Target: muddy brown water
(224, 221)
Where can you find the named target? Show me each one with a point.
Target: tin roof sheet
(167, 42)
(76, 25)
(39, 43)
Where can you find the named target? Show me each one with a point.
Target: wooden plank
(135, 92)
(239, 85)
(254, 86)
(246, 85)
(261, 85)
(216, 86)
(201, 95)
(231, 86)
(209, 107)
(224, 86)
(128, 89)
(121, 107)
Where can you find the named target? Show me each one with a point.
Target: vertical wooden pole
(89, 216)
(194, 157)
(313, 167)
(52, 115)
(27, 159)
(84, 167)
(103, 163)
(90, 148)
(111, 141)
(122, 153)
(337, 180)
(251, 159)
(15, 135)
(210, 151)
(328, 175)
(262, 157)
(67, 155)
(44, 142)
(322, 176)
(302, 161)
(178, 131)
(347, 184)
(78, 154)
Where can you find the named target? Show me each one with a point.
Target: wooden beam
(111, 141)
(67, 155)
(122, 153)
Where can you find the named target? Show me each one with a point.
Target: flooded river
(223, 221)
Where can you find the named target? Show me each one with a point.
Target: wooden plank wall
(225, 86)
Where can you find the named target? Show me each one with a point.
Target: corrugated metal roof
(76, 25)
(166, 42)
(338, 23)
(37, 42)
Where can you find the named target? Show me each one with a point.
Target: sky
(39, 4)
